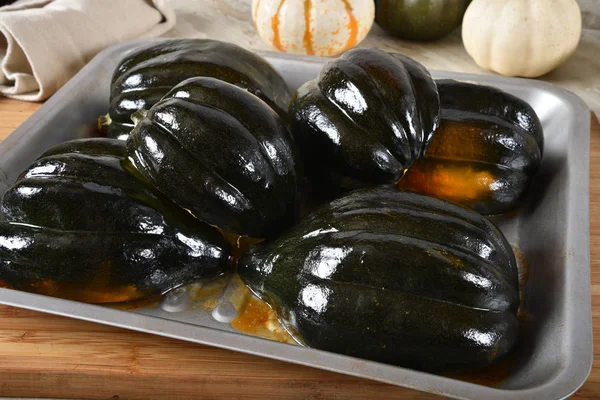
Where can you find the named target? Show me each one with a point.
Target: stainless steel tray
(551, 230)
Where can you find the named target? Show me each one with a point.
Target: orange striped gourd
(313, 27)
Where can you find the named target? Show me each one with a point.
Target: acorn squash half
(367, 117)
(393, 276)
(485, 153)
(221, 153)
(78, 224)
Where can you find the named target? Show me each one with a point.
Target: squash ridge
(194, 106)
(410, 91)
(397, 145)
(170, 136)
(405, 293)
(422, 242)
(248, 132)
(412, 212)
(407, 135)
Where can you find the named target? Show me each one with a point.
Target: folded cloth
(43, 43)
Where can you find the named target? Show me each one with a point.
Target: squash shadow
(543, 244)
(542, 315)
(551, 175)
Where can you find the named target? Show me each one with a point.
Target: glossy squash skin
(420, 19)
(221, 153)
(147, 74)
(78, 225)
(393, 276)
(367, 117)
(485, 153)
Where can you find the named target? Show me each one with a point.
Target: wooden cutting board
(49, 356)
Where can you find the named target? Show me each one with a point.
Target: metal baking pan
(551, 231)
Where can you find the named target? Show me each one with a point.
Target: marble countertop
(231, 21)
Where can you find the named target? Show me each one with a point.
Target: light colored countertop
(231, 21)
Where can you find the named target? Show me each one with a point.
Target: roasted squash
(369, 116)
(393, 276)
(221, 153)
(485, 153)
(146, 75)
(78, 225)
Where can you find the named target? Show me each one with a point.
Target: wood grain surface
(49, 356)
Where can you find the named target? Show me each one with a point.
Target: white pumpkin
(521, 37)
(314, 27)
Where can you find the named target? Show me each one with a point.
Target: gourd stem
(103, 122)
(138, 116)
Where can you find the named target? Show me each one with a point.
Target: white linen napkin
(43, 43)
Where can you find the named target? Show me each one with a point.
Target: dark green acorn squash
(146, 75)
(420, 19)
(393, 276)
(485, 153)
(221, 153)
(77, 224)
(367, 117)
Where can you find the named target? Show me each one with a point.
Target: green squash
(147, 74)
(367, 117)
(485, 153)
(395, 277)
(78, 225)
(221, 153)
(420, 19)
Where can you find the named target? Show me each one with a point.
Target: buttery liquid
(208, 296)
(258, 319)
(136, 304)
(492, 376)
(252, 315)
